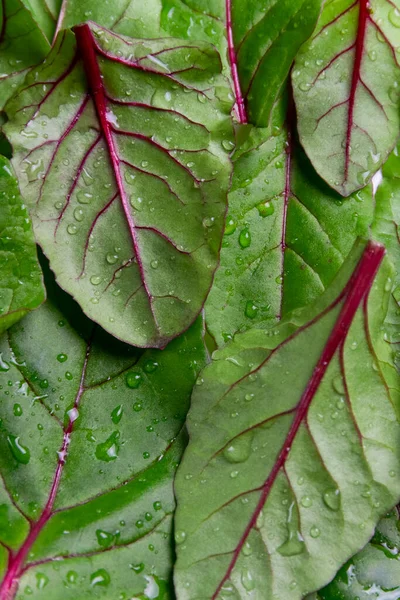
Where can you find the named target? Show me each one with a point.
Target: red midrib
(87, 51)
(359, 52)
(357, 288)
(9, 585)
(241, 110)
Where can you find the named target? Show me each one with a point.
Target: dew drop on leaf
(41, 580)
(331, 499)
(72, 577)
(239, 450)
(265, 209)
(17, 410)
(72, 229)
(108, 450)
(20, 452)
(180, 536)
(62, 357)
(100, 577)
(133, 380)
(116, 414)
(150, 366)
(230, 227)
(104, 538)
(251, 310)
(245, 238)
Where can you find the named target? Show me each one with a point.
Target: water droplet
(62, 357)
(104, 538)
(108, 450)
(133, 380)
(145, 163)
(372, 55)
(100, 577)
(251, 310)
(247, 550)
(72, 577)
(304, 86)
(394, 17)
(136, 202)
(294, 544)
(20, 452)
(72, 229)
(230, 227)
(180, 536)
(265, 209)
(247, 580)
(208, 222)
(78, 214)
(111, 258)
(17, 410)
(245, 238)
(306, 501)
(157, 505)
(227, 145)
(338, 385)
(138, 406)
(116, 414)
(84, 197)
(96, 279)
(154, 264)
(331, 499)
(239, 450)
(315, 532)
(150, 366)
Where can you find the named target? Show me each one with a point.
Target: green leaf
(257, 41)
(373, 573)
(293, 452)
(345, 83)
(22, 45)
(127, 171)
(89, 442)
(287, 233)
(21, 284)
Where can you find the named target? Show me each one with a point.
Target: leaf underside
(345, 82)
(90, 439)
(138, 147)
(21, 287)
(283, 454)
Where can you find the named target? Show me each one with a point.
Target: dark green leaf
(286, 236)
(293, 452)
(346, 85)
(89, 442)
(21, 285)
(22, 45)
(127, 171)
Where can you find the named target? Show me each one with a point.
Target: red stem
(241, 110)
(357, 288)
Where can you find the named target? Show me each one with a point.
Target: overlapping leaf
(87, 456)
(286, 237)
(21, 284)
(346, 86)
(22, 44)
(294, 449)
(373, 573)
(126, 170)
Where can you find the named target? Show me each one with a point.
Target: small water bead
(338, 385)
(154, 264)
(104, 538)
(247, 550)
(111, 258)
(116, 414)
(315, 532)
(148, 516)
(72, 229)
(208, 222)
(84, 197)
(331, 498)
(245, 238)
(58, 205)
(62, 357)
(180, 536)
(17, 410)
(146, 455)
(157, 505)
(230, 227)
(306, 501)
(100, 577)
(239, 450)
(68, 375)
(265, 209)
(78, 214)
(247, 580)
(136, 202)
(138, 406)
(251, 310)
(394, 17)
(150, 366)
(108, 450)
(133, 380)
(144, 163)
(20, 452)
(227, 145)
(72, 577)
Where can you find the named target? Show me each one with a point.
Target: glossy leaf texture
(257, 41)
(386, 229)
(373, 573)
(90, 439)
(287, 232)
(21, 285)
(293, 452)
(135, 134)
(22, 45)
(346, 86)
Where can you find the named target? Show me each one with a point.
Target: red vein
(241, 110)
(16, 562)
(358, 287)
(360, 41)
(86, 46)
